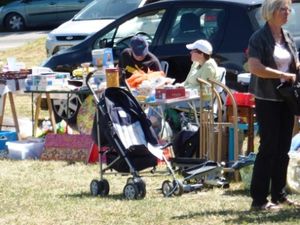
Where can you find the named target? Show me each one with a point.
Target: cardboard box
(103, 58)
(25, 149)
(67, 147)
(168, 93)
(45, 82)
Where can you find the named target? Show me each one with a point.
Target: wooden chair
(212, 124)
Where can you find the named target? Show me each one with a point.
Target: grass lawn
(53, 192)
(40, 192)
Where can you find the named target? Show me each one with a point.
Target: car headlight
(50, 37)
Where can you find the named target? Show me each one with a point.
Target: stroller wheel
(178, 186)
(167, 188)
(142, 189)
(99, 187)
(103, 188)
(94, 187)
(131, 191)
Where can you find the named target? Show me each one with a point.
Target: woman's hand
(291, 77)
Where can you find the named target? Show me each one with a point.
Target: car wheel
(66, 111)
(14, 22)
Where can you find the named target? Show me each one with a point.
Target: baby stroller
(123, 126)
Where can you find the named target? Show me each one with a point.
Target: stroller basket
(139, 158)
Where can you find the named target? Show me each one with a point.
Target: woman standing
(272, 59)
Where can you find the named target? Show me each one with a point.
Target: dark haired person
(138, 57)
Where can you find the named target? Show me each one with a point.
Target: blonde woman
(272, 59)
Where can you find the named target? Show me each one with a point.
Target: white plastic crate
(25, 149)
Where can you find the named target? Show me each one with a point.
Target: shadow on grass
(238, 192)
(88, 195)
(290, 215)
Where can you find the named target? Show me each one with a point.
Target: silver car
(88, 21)
(20, 14)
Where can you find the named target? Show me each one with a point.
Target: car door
(66, 9)
(40, 12)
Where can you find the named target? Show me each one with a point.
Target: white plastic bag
(293, 174)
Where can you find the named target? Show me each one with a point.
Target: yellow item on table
(79, 71)
(141, 98)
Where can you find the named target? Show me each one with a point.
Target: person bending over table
(138, 58)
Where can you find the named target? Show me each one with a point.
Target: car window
(107, 9)
(145, 23)
(191, 24)
(119, 37)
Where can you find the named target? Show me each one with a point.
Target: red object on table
(168, 93)
(242, 99)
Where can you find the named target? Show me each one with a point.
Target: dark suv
(169, 25)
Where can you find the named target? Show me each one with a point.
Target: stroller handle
(88, 77)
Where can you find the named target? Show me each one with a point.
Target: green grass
(32, 53)
(47, 192)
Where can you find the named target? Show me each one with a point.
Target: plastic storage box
(25, 149)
